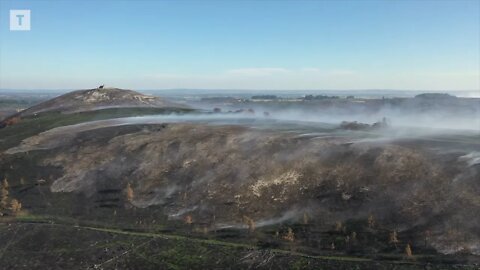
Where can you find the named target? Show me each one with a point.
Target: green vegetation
(6, 103)
(32, 125)
(189, 250)
(115, 249)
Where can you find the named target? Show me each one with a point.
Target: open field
(111, 248)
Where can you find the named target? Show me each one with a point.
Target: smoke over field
(323, 176)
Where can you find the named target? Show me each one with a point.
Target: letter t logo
(20, 20)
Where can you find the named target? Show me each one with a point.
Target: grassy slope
(27, 127)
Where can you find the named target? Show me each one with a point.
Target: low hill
(82, 106)
(252, 185)
(98, 98)
(92, 100)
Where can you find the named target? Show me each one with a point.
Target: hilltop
(121, 102)
(98, 98)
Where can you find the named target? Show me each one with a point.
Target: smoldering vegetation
(325, 175)
(232, 176)
(428, 111)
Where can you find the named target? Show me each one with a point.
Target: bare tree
(408, 251)
(338, 226)
(3, 197)
(354, 236)
(250, 223)
(15, 206)
(188, 219)
(305, 218)
(393, 239)
(5, 183)
(371, 221)
(129, 192)
(290, 235)
(427, 234)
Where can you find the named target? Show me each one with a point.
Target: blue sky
(418, 45)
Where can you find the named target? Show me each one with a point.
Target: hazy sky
(424, 45)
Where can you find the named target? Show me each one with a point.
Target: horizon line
(241, 89)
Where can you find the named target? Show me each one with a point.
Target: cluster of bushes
(8, 206)
(319, 97)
